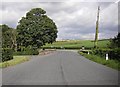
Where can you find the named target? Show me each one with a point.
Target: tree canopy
(116, 41)
(8, 36)
(36, 29)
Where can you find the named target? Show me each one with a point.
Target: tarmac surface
(59, 68)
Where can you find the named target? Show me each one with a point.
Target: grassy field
(14, 61)
(79, 43)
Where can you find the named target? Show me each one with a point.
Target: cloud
(75, 20)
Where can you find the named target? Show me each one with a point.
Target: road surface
(59, 68)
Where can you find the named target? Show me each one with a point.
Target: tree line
(33, 31)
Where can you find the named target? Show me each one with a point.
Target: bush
(112, 53)
(7, 54)
(27, 51)
(100, 52)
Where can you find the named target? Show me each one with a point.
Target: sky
(74, 20)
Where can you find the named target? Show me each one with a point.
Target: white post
(88, 52)
(106, 56)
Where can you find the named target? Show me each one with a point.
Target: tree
(8, 37)
(13, 38)
(8, 43)
(115, 42)
(36, 29)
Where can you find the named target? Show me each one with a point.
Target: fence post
(88, 52)
(107, 56)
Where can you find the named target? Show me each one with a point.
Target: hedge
(27, 51)
(112, 53)
(7, 54)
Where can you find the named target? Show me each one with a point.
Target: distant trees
(36, 29)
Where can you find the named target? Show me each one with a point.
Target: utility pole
(97, 26)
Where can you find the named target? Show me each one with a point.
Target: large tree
(36, 29)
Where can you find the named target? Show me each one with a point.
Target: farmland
(78, 44)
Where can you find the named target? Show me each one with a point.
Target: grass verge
(16, 60)
(110, 63)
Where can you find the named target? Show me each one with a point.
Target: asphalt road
(59, 68)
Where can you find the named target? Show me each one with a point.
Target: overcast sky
(74, 20)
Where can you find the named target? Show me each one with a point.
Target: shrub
(112, 53)
(27, 51)
(7, 54)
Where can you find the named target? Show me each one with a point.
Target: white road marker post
(88, 52)
(107, 56)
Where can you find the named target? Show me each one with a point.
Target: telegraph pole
(97, 26)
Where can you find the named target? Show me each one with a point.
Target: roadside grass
(16, 60)
(110, 63)
(79, 43)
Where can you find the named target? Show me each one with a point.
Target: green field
(79, 43)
